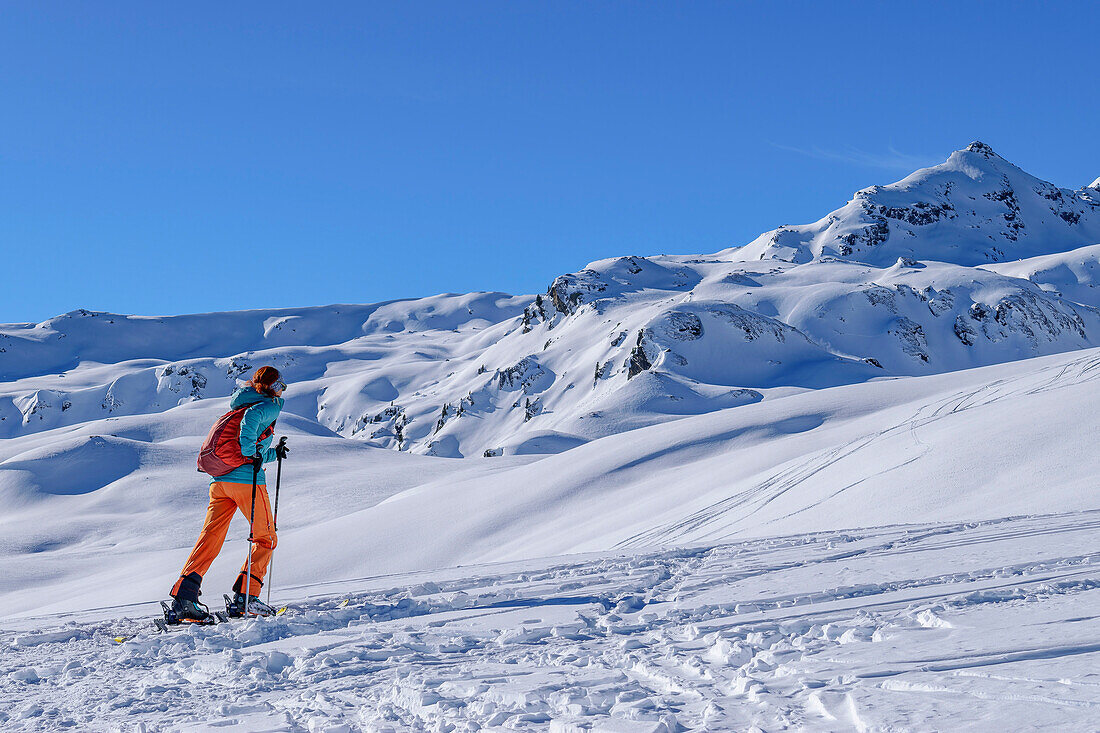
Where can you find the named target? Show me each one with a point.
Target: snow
(817, 482)
(802, 631)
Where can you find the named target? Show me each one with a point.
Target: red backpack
(221, 451)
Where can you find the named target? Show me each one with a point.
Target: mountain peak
(1094, 185)
(981, 148)
(975, 208)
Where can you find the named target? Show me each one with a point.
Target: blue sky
(182, 157)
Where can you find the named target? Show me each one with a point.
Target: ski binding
(173, 622)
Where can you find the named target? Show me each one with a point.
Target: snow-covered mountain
(842, 477)
(967, 263)
(973, 209)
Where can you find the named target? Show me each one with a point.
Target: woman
(241, 441)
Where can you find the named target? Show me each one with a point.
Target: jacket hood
(249, 396)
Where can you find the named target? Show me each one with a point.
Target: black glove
(281, 451)
(257, 461)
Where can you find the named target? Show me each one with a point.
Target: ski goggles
(278, 386)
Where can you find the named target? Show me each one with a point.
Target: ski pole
(247, 585)
(275, 517)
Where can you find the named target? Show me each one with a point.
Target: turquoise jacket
(264, 411)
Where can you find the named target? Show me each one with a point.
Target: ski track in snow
(962, 626)
(713, 523)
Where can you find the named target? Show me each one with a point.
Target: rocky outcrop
(570, 292)
(638, 361)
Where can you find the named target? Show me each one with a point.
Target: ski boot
(182, 612)
(238, 606)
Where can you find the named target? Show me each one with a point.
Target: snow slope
(960, 626)
(921, 449)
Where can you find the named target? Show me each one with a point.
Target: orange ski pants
(225, 499)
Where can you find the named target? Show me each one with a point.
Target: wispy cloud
(892, 159)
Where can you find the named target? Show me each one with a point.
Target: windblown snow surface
(842, 478)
